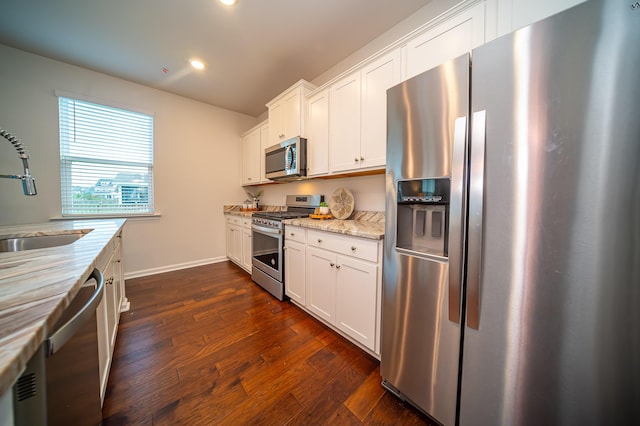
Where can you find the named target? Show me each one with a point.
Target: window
(106, 160)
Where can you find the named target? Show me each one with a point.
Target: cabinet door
(448, 40)
(237, 245)
(228, 232)
(234, 244)
(294, 271)
(377, 77)
(321, 283)
(104, 346)
(251, 158)
(264, 144)
(318, 133)
(344, 124)
(246, 248)
(356, 299)
(516, 14)
(291, 115)
(117, 278)
(276, 123)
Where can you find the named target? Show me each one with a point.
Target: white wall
(196, 149)
(368, 191)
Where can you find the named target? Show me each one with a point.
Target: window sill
(110, 216)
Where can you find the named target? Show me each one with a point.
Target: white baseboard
(175, 267)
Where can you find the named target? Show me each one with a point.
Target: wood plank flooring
(207, 346)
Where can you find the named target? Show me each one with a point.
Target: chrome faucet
(28, 181)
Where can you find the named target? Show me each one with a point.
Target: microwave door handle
(289, 158)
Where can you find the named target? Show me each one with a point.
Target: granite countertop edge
(352, 227)
(364, 224)
(36, 286)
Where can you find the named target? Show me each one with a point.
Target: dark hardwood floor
(207, 346)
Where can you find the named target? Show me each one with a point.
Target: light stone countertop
(37, 285)
(235, 210)
(364, 224)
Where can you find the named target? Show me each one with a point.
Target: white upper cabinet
(344, 123)
(450, 39)
(251, 158)
(377, 77)
(514, 14)
(318, 133)
(358, 115)
(264, 144)
(287, 113)
(254, 143)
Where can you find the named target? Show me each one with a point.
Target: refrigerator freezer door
(420, 344)
(558, 332)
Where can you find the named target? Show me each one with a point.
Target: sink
(37, 242)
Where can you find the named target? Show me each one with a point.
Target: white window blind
(106, 159)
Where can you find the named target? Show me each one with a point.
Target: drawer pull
(338, 266)
(319, 240)
(332, 264)
(353, 248)
(292, 234)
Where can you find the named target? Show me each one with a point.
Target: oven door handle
(265, 230)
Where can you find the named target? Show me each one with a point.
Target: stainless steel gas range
(267, 234)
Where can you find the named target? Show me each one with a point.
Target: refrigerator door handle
(476, 194)
(456, 228)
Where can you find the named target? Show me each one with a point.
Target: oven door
(267, 250)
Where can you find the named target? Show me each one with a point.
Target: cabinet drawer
(294, 233)
(350, 246)
(233, 220)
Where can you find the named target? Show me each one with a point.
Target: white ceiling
(253, 51)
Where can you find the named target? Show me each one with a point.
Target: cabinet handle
(353, 248)
(361, 158)
(319, 240)
(292, 234)
(284, 248)
(281, 136)
(338, 266)
(332, 264)
(356, 159)
(248, 178)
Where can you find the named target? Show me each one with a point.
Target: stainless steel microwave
(286, 160)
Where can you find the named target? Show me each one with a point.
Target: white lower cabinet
(295, 264)
(357, 299)
(108, 313)
(246, 247)
(238, 240)
(321, 283)
(339, 281)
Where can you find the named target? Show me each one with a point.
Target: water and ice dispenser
(423, 215)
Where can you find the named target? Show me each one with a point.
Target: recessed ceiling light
(229, 2)
(197, 64)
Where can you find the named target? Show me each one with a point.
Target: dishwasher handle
(57, 340)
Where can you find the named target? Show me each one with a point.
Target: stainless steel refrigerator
(511, 286)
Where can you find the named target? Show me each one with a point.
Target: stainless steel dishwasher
(61, 383)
